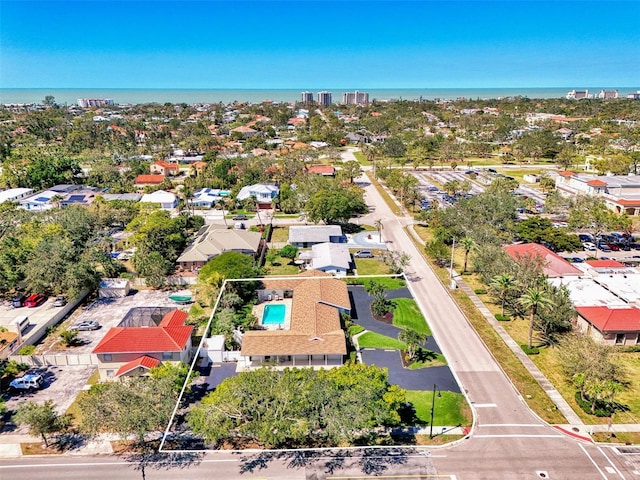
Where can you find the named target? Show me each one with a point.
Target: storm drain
(542, 474)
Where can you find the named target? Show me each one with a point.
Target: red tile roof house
(164, 168)
(554, 265)
(613, 326)
(145, 180)
(131, 351)
(324, 170)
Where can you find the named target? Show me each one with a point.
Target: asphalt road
(490, 459)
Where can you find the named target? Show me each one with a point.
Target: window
(110, 373)
(638, 339)
(107, 357)
(167, 355)
(619, 338)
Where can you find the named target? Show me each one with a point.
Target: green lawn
(362, 160)
(451, 409)
(407, 315)
(427, 358)
(390, 282)
(375, 340)
(280, 234)
(281, 266)
(375, 266)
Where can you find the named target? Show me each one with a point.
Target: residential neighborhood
(242, 243)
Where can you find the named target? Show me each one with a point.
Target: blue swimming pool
(273, 314)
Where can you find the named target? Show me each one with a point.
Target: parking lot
(108, 312)
(62, 384)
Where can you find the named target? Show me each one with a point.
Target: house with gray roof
(332, 258)
(212, 240)
(305, 236)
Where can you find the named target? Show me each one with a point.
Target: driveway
(368, 240)
(421, 379)
(361, 313)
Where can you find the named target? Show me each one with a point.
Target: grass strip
(536, 398)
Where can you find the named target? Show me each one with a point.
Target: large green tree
(299, 407)
(137, 407)
(335, 206)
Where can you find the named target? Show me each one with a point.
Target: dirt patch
(38, 448)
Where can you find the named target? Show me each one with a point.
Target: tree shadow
(370, 461)
(145, 456)
(424, 355)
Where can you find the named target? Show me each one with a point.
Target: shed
(114, 288)
(215, 347)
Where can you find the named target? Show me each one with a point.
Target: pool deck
(258, 311)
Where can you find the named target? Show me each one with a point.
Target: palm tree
(222, 202)
(503, 284)
(413, 340)
(533, 299)
(468, 244)
(378, 225)
(254, 203)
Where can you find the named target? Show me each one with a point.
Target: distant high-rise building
(355, 98)
(324, 98)
(94, 102)
(608, 94)
(578, 94)
(307, 97)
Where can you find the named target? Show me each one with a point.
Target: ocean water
(191, 96)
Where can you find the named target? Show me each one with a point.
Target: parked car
(589, 246)
(363, 254)
(492, 170)
(577, 260)
(60, 302)
(18, 301)
(239, 217)
(585, 238)
(87, 325)
(613, 247)
(34, 300)
(27, 382)
(604, 247)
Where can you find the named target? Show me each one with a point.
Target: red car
(34, 300)
(613, 247)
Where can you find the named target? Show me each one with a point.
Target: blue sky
(363, 44)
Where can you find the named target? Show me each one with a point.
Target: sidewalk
(10, 445)
(546, 385)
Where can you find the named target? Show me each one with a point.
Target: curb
(572, 434)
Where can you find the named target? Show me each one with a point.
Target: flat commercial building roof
(585, 292)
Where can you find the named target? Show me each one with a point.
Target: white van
(20, 324)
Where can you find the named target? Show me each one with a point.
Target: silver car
(85, 326)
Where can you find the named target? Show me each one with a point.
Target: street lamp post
(433, 406)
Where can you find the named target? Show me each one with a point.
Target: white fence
(231, 356)
(56, 360)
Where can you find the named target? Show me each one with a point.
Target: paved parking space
(421, 379)
(61, 384)
(108, 312)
